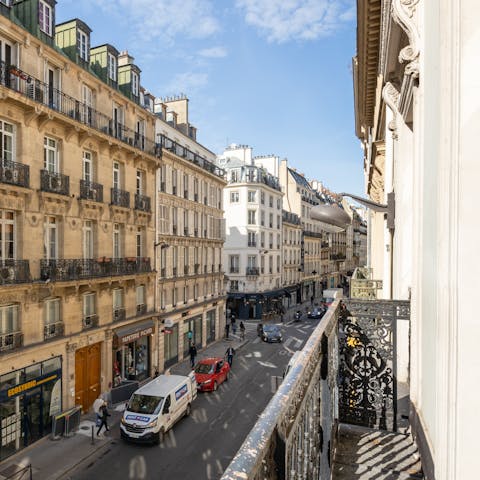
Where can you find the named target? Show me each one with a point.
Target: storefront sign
(56, 399)
(24, 387)
(131, 337)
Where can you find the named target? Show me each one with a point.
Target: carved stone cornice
(403, 12)
(391, 96)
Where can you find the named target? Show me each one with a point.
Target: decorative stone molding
(10, 200)
(402, 13)
(33, 219)
(410, 77)
(71, 347)
(390, 96)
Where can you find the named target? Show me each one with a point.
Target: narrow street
(201, 446)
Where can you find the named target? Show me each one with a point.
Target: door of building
(32, 416)
(87, 376)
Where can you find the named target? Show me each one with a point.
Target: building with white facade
(253, 247)
(292, 258)
(417, 100)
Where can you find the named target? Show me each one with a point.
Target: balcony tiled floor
(366, 454)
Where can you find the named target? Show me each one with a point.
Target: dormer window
(82, 45)
(134, 83)
(112, 67)
(45, 17)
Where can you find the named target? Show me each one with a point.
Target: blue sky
(273, 74)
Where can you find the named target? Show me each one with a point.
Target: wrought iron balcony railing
(345, 374)
(61, 270)
(90, 321)
(15, 173)
(10, 341)
(52, 330)
(91, 191)
(252, 271)
(14, 271)
(142, 202)
(54, 182)
(120, 198)
(119, 314)
(141, 309)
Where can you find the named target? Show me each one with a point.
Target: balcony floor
(367, 454)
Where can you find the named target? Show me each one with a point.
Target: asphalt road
(201, 446)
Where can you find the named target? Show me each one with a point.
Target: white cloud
(213, 52)
(163, 19)
(188, 82)
(285, 20)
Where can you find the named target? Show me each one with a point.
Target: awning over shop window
(133, 332)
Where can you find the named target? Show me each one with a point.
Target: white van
(155, 407)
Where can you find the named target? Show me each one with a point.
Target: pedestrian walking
(193, 353)
(227, 329)
(102, 416)
(311, 300)
(229, 354)
(242, 331)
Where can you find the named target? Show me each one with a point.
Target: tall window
(7, 234)
(117, 299)
(252, 196)
(112, 67)
(9, 322)
(234, 261)
(50, 155)
(140, 177)
(117, 247)
(50, 245)
(87, 98)
(87, 167)
(270, 203)
(252, 239)
(140, 296)
(251, 217)
(234, 197)
(135, 83)
(89, 307)
(163, 219)
(262, 198)
(174, 182)
(82, 45)
(87, 239)
(185, 185)
(116, 175)
(45, 19)
(139, 242)
(7, 142)
(51, 311)
(252, 261)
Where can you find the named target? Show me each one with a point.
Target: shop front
(28, 399)
(132, 352)
(211, 322)
(192, 332)
(170, 343)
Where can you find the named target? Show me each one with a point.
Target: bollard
(93, 438)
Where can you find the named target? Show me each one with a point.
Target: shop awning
(129, 333)
(274, 293)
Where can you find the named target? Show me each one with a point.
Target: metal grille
(367, 369)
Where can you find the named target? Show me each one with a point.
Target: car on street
(316, 312)
(298, 316)
(271, 334)
(210, 373)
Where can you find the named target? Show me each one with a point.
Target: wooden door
(87, 376)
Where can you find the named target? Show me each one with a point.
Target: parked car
(210, 373)
(271, 333)
(316, 312)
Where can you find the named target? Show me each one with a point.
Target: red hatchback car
(210, 373)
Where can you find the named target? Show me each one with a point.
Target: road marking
(267, 364)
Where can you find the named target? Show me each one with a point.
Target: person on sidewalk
(227, 330)
(229, 354)
(234, 324)
(103, 415)
(193, 353)
(242, 331)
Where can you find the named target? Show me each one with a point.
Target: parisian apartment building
(253, 223)
(111, 225)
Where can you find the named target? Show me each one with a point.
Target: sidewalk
(56, 459)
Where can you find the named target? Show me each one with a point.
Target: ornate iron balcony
(61, 270)
(118, 197)
(252, 271)
(119, 314)
(90, 321)
(91, 191)
(54, 182)
(15, 173)
(10, 341)
(141, 309)
(142, 202)
(52, 330)
(14, 271)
